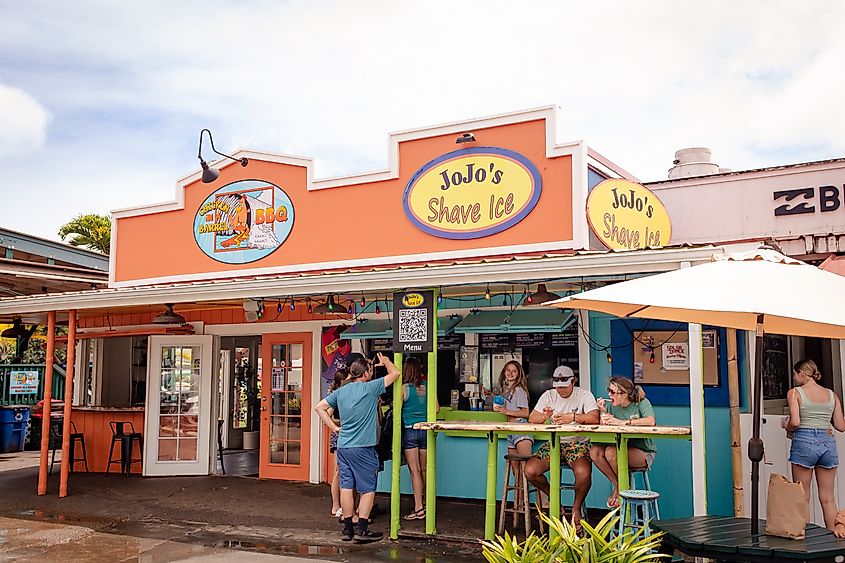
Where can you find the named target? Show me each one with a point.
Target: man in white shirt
(565, 403)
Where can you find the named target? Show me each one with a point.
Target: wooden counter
(93, 422)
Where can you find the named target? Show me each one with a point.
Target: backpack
(384, 448)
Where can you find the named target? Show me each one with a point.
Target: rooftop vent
(694, 161)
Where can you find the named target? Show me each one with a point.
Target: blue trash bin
(13, 424)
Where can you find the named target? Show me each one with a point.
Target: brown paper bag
(787, 511)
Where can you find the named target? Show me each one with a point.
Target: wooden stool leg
(517, 495)
(84, 455)
(504, 498)
(527, 504)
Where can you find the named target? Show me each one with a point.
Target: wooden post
(70, 366)
(48, 397)
(736, 440)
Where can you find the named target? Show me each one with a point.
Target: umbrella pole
(755, 444)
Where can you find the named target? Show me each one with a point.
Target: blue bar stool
(632, 473)
(636, 510)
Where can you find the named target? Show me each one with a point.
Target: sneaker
(368, 536)
(347, 535)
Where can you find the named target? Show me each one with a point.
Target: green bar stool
(632, 473)
(636, 510)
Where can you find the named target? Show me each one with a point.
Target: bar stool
(220, 445)
(515, 466)
(632, 472)
(636, 510)
(126, 440)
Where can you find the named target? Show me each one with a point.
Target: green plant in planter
(598, 545)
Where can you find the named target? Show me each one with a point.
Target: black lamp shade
(329, 307)
(209, 174)
(168, 317)
(15, 331)
(542, 295)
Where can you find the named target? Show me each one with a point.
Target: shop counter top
(108, 409)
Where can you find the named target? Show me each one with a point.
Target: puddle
(277, 548)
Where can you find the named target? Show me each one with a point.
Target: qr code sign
(413, 325)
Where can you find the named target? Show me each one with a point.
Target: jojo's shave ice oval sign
(472, 193)
(624, 216)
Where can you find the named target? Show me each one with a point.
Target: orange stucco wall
(348, 222)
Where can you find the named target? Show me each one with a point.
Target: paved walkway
(27, 540)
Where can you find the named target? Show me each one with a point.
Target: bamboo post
(490, 496)
(48, 398)
(70, 366)
(431, 436)
(396, 450)
(736, 439)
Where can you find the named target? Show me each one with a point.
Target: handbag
(787, 512)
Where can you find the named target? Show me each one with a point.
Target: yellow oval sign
(412, 300)
(472, 193)
(624, 216)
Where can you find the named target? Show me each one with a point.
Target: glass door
(179, 406)
(286, 407)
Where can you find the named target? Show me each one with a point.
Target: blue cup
(499, 400)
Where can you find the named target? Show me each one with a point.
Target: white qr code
(413, 325)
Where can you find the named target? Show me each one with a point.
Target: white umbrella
(762, 291)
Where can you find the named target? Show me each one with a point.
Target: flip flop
(338, 513)
(416, 515)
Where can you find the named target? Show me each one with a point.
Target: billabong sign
(472, 193)
(243, 221)
(624, 216)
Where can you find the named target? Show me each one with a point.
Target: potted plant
(599, 544)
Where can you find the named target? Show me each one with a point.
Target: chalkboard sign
(496, 342)
(383, 345)
(532, 340)
(452, 342)
(776, 369)
(560, 339)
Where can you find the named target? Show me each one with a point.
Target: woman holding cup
(513, 402)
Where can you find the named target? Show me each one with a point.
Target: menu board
(776, 369)
(383, 345)
(560, 339)
(532, 340)
(497, 342)
(450, 342)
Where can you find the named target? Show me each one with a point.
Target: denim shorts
(514, 439)
(414, 439)
(813, 447)
(358, 468)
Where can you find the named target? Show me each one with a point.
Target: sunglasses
(568, 378)
(612, 392)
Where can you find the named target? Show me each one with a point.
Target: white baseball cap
(563, 376)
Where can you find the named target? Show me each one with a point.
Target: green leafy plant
(91, 231)
(596, 545)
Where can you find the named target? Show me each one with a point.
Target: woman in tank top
(414, 442)
(813, 409)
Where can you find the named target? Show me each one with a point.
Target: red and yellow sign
(472, 193)
(624, 216)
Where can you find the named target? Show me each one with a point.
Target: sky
(101, 102)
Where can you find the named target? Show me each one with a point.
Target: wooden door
(285, 406)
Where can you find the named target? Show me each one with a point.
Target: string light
(349, 310)
(609, 357)
(487, 293)
(651, 358)
(529, 299)
(308, 303)
(439, 296)
(292, 305)
(279, 308)
(363, 302)
(378, 309)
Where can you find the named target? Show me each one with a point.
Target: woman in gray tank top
(813, 409)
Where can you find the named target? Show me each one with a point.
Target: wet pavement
(179, 518)
(28, 540)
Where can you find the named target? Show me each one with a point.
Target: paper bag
(787, 511)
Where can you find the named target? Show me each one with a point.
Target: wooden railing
(8, 398)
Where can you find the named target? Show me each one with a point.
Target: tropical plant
(91, 231)
(598, 545)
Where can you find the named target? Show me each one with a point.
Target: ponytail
(635, 393)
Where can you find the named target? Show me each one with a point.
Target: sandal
(416, 515)
(612, 502)
(338, 513)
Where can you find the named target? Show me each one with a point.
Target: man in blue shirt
(357, 460)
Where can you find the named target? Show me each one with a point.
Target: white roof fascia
(507, 271)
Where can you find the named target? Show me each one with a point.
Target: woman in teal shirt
(414, 441)
(628, 407)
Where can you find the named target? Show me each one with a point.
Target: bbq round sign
(624, 215)
(472, 193)
(243, 221)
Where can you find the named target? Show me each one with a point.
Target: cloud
(130, 85)
(24, 122)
